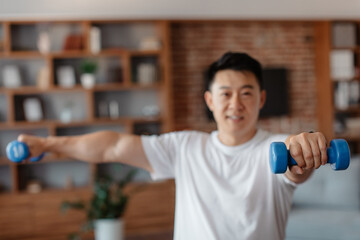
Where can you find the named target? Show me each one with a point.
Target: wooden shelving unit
(332, 119)
(124, 56)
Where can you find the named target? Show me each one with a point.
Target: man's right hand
(36, 145)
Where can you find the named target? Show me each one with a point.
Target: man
(224, 186)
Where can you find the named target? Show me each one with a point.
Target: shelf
(100, 87)
(84, 54)
(4, 161)
(57, 190)
(345, 80)
(3, 125)
(349, 136)
(51, 158)
(35, 90)
(23, 125)
(55, 123)
(136, 53)
(132, 86)
(351, 109)
(354, 49)
(23, 54)
(117, 66)
(130, 120)
(104, 53)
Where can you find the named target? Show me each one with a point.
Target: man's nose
(236, 102)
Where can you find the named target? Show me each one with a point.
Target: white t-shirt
(222, 192)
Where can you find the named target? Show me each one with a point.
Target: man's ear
(209, 100)
(262, 98)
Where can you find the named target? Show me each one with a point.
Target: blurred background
(78, 66)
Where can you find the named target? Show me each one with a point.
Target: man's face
(235, 100)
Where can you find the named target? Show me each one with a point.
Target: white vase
(109, 229)
(87, 80)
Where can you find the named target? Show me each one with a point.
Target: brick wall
(275, 44)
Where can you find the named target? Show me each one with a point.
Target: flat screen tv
(275, 84)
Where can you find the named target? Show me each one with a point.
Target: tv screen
(275, 84)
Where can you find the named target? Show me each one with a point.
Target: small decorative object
(95, 40)
(66, 114)
(34, 186)
(43, 42)
(114, 109)
(73, 42)
(103, 109)
(150, 43)
(88, 69)
(151, 111)
(115, 74)
(146, 73)
(43, 80)
(66, 76)
(106, 208)
(33, 109)
(11, 76)
(342, 64)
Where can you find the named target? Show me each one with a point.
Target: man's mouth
(236, 118)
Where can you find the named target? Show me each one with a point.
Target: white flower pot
(109, 229)
(87, 80)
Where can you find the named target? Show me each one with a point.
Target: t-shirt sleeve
(162, 152)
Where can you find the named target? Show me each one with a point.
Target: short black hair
(234, 61)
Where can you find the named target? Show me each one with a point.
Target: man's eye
(247, 93)
(225, 94)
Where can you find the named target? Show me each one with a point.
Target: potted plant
(88, 70)
(105, 209)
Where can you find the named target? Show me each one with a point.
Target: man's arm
(309, 152)
(102, 146)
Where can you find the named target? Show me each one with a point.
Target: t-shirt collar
(231, 150)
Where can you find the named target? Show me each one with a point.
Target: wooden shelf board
(355, 48)
(349, 136)
(24, 125)
(36, 90)
(334, 80)
(4, 161)
(84, 54)
(128, 120)
(58, 124)
(69, 54)
(135, 53)
(23, 54)
(351, 109)
(146, 120)
(50, 158)
(45, 191)
(131, 52)
(78, 88)
(121, 86)
(3, 125)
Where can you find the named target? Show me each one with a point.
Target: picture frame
(66, 76)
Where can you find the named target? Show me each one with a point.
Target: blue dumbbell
(18, 151)
(338, 155)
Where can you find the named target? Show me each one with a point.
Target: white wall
(180, 9)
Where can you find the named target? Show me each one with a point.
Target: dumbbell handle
(331, 157)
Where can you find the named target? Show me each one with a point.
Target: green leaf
(79, 205)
